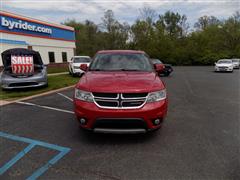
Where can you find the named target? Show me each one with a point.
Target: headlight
(83, 95)
(157, 96)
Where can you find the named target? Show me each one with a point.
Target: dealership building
(54, 42)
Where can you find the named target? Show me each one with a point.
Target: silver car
(23, 68)
(236, 63)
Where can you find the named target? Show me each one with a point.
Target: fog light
(156, 121)
(82, 121)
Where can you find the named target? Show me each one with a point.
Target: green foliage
(165, 37)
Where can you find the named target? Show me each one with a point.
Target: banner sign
(22, 64)
(23, 26)
(19, 24)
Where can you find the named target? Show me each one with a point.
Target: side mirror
(84, 67)
(159, 67)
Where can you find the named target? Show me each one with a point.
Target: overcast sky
(125, 10)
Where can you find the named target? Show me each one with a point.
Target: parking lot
(200, 138)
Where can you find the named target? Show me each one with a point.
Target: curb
(3, 102)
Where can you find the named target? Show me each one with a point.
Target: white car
(74, 64)
(224, 65)
(236, 63)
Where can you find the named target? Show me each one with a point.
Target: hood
(120, 82)
(6, 56)
(223, 65)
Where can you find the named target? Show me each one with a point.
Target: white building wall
(38, 41)
(43, 45)
(4, 47)
(43, 50)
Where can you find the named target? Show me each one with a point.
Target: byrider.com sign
(19, 24)
(22, 64)
(23, 26)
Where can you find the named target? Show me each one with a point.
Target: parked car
(236, 63)
(23, 68)
(76, 61)
(225, 65)
(121, 92)
(167, 67)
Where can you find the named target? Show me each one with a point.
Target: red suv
(121, 92)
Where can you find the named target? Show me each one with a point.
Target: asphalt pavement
(200, 138)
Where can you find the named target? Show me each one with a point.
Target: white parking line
(45, 107)
(70, 99)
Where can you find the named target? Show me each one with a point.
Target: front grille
(22, 84)
(134, 95)
(120, 100)
(222, 67)
(120, 123)
(105, 95)
(107, 103)
(132, 103)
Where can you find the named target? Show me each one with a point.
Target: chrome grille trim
(119, 100)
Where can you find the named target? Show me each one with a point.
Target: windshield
(121, 62)
(81, 60)
(224, 62)
(156, 61)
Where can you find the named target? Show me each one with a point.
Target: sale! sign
(22, 64)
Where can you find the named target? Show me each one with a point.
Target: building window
(64, 56)
(51, 57)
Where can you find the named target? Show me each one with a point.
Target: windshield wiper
(115, 69)
(125, 70)
(96, 70)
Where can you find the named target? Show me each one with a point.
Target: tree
(174, 24)
(116, 33)
(148, 14)
(206, 21)
(166, 38)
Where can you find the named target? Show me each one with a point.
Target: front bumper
(37, 80)
(236, 66)
(224, 69)
(148, 113)
(77, 71)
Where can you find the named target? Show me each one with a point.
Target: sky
(58, 11)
